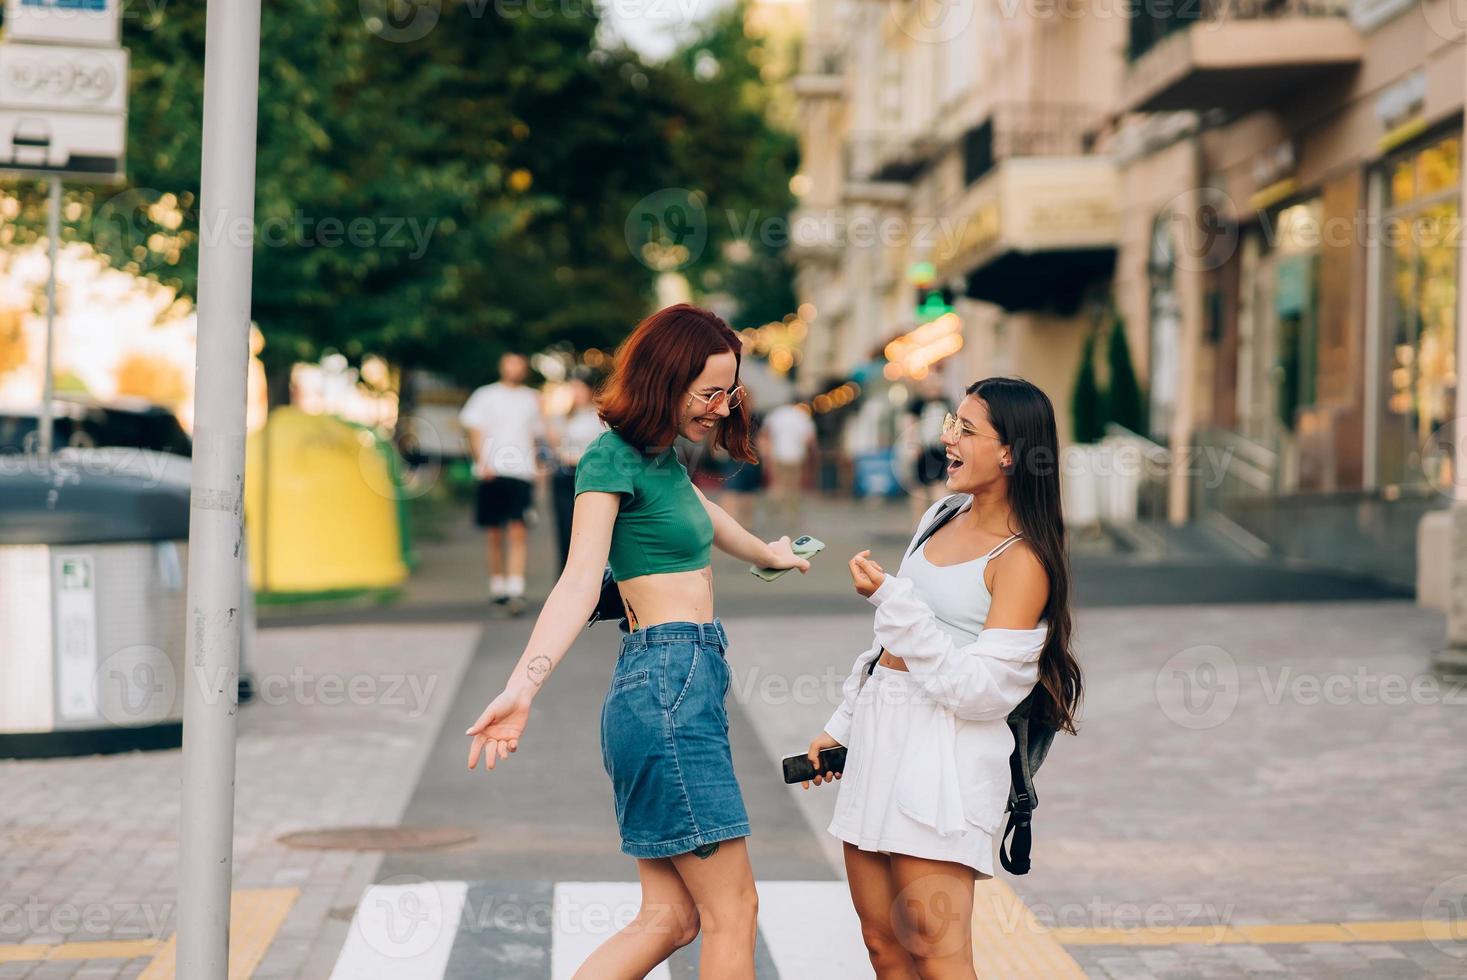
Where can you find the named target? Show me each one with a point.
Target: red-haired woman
(664, 730)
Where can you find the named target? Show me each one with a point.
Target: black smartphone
(797, 768)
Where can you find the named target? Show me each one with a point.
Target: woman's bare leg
(874, 892)
(722, 886)
(934, 914)
(667, 920)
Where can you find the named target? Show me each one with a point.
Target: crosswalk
(409, 928)
(412, 929)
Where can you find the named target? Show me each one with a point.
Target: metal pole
(48, 385)
(215, 542)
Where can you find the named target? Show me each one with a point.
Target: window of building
(1419, 237)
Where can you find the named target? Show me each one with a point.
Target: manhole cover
(376, 838)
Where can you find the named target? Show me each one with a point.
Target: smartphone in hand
(797, 768)
(804, 546)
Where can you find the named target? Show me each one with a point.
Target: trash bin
(324, 509)
(93, 582)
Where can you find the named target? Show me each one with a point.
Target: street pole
(48, 383)
(216, 503)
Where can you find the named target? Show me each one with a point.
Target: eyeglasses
(733, 396)
(955, 428)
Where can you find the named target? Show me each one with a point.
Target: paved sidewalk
(1256, 790)
(89, 846)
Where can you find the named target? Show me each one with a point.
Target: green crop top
(662, 526)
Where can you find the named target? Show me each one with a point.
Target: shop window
(1419, 237)
(1278, 343)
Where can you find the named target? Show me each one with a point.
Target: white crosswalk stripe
(443, 930)
(586, 913)
(403, 932)
(812, 929)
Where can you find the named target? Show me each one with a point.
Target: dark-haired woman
(664, 730)
(975, 620)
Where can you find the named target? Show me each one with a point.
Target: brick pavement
(1237, 765)
(88, 846)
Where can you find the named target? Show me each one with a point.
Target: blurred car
(87, 423)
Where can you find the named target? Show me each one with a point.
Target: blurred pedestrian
(929, 455)
(569, 436)
(787, 441)
(503, 420)
(742, 481)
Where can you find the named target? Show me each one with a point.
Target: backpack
(1032, 739)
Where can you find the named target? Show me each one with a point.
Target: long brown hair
(1023, 417)
(656, 364)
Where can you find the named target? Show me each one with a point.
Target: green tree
(433, 199)
(1126, 406)
(1087, 406)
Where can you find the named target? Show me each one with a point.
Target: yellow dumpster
(321, 507)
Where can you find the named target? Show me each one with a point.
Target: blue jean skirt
(664, 741)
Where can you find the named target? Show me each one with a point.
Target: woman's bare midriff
(894, 662)
(669, 597)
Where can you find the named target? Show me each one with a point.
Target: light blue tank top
(956, 594)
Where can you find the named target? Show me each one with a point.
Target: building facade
(1292, 184)
(1265, 194)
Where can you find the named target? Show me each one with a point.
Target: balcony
(1234, 55)
(817, 234)
(1039, 221)
(889, 158)
(821, 71)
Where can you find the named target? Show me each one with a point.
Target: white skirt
(866, 813)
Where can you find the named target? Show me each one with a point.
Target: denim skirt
(664, 741)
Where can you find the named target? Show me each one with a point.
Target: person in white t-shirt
(569, 436)
(503, 421)
(787, 440)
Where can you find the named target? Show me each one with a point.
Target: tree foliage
(436, 198)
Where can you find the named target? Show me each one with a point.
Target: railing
(895, 156)
(1027, 129)
(1152, 465)
(1231, 471)
(1154, 20)
(821, 57)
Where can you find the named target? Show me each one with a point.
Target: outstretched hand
(866, 574)
(498, 730)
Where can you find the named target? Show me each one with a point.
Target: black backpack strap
(1021, 805)
(946, 512)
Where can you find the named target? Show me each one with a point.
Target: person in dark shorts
(504, 420)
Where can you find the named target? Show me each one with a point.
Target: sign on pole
(63, 90)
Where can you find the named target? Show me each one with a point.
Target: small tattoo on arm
(537, 669)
